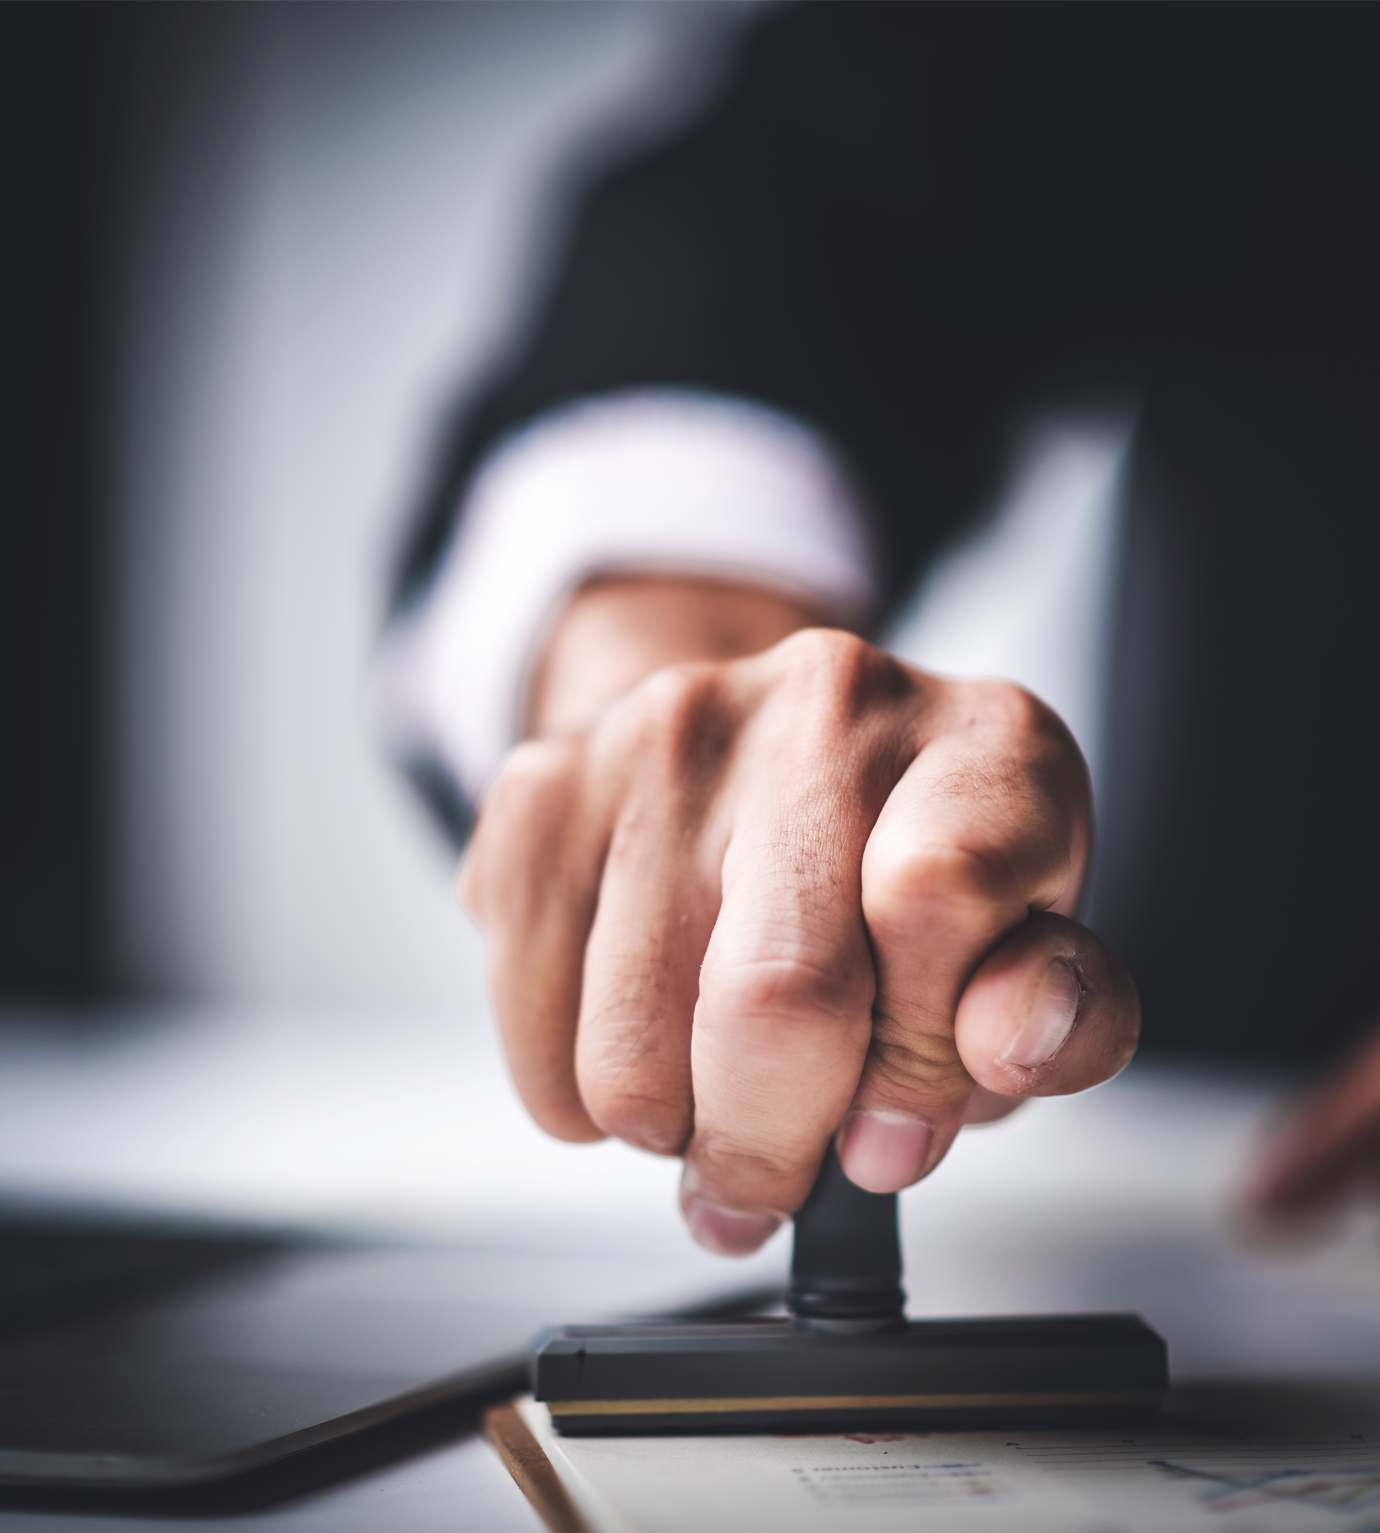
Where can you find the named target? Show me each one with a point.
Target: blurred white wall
(334, 214)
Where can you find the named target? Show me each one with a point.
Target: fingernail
(1048, 1020)
(728, 1231)
(883, 1151)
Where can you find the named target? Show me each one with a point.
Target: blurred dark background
(251, 253)
(60, 105)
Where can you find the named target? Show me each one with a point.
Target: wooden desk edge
(526, 1461)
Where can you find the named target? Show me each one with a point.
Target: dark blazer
(911, 225)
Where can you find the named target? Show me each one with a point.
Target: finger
(657, 902)
(1322, 1146)
(1049, 1011)
(530, 878)
(786, 989)
(988, 823)
(780, 1035)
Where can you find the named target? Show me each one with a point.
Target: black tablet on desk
(138, 1360)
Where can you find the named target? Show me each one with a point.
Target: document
(1287, 1460)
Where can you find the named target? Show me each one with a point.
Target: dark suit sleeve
(765, 254)
(906, 225)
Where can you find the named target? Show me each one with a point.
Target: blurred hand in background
(1323, 1148)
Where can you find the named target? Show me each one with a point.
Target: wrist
(616, 630)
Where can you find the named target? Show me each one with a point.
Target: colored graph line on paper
(1339, 1490)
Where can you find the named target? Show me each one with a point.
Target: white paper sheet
(1282, 1459)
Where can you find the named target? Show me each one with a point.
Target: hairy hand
(809, 893)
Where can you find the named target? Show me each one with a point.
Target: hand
(751, 903)
(1326, 1144)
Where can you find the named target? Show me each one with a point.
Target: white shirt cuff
(652, 480)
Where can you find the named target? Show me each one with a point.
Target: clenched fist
(753, 885)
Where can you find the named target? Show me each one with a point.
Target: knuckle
(678, 700)
(650, 1123)
(754, 1171)
(634, 1078)
(1008, 708)
(784, 989)
(680, 716)
(566, 1120)
(542, 1073)
(963, 878)
(1018, 709)
(918, 1069)
(741, 1163)
(842, 674)
(635, 1106)
(518, 854)
(1021, 734)
(537, 777)
(538, 764)
(814, 648)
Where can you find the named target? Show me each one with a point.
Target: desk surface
(404, 1123)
